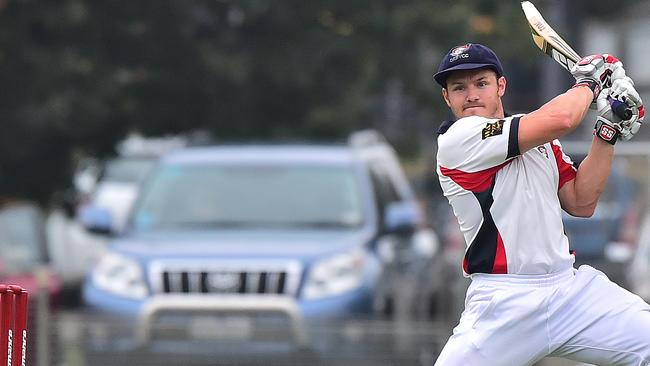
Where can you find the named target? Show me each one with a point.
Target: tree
(80, 74)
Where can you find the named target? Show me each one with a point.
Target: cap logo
(459, 52)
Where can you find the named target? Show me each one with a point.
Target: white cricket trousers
(516, 320)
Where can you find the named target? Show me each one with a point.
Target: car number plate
(235, 328)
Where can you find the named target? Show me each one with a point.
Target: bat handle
(620, 109)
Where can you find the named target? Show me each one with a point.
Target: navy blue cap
(467, 57)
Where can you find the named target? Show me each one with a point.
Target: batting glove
(614, 68)
(590, 71)
(623, 90)
(608, 124)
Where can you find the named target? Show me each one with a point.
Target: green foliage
(78, 75)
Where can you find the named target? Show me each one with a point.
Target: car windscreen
(228, 196)
(127, 169)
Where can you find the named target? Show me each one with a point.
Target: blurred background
(251, 182)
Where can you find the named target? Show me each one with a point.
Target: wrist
(590, 83)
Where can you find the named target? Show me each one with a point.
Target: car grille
(174, 279)
(224, 282)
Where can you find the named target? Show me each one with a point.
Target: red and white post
(13, 325)
(20, 325)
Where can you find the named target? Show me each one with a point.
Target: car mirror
(96, 219)
(402, 217)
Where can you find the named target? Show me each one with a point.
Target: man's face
(475, 93)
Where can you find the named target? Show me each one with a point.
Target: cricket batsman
(508, 181)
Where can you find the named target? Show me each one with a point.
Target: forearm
(555, 118)
(592, 175)
(572, 106)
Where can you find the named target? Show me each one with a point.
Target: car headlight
(120, 275)
(335, 275)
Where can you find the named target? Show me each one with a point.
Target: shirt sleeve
(476, 143)
(565, 166)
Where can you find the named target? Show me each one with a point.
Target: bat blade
(553, 45)
(547, 39)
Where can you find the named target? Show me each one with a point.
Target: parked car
(118, 184)
(224, 241)
(111, 184)
(607, 239)
(114, 183)
(24, 262)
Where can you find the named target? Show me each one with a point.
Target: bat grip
(620, 109)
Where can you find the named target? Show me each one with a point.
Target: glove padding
(597, 72)
(614, 70)
(590, 71)
(609, 127)
(623, 90)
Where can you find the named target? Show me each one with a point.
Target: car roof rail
(366, 138)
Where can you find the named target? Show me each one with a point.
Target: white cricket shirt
(507, 204)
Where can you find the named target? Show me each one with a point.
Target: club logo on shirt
(493, 129)
(542, 149)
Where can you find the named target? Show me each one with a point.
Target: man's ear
(445, 96)
(501, 83)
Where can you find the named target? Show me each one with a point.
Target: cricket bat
(557, 48)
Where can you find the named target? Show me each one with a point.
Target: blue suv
(226, 241)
